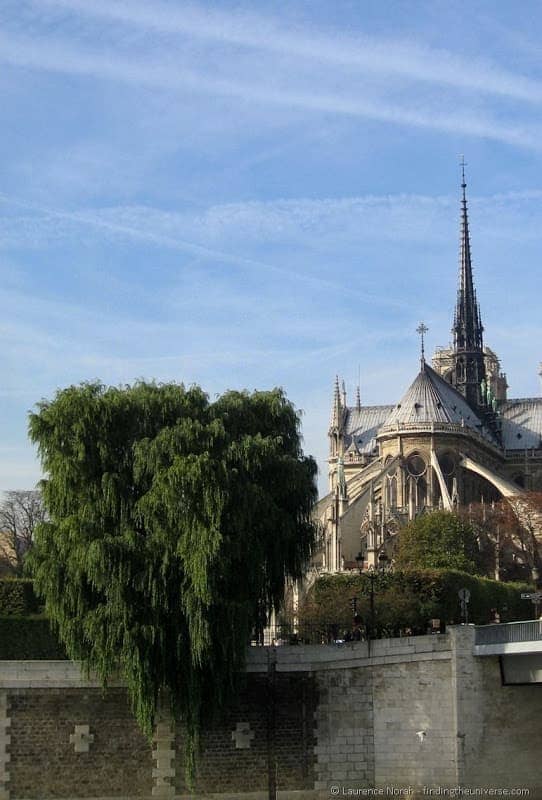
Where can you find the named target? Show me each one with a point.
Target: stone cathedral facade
(454, 438)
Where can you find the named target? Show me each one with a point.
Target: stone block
(163, 772)
(163, 791)
(163, 730)
(163, 754)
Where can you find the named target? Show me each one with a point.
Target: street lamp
(372, 574)
(535, 575)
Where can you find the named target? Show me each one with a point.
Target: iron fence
(321, 633)
(327, 633)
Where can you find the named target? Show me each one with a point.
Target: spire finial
(358, 394)
(422, 330)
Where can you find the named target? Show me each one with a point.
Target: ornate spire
(336, 424)
(358, 393)
(467, 329)
(336, 408)
(467, 325)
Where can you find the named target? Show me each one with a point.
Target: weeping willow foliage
(173, 524)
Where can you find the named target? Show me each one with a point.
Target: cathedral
(453, 439)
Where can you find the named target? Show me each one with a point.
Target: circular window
(447, 463)
(415, 464)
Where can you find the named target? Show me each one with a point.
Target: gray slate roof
(362, 426)
(432, 399)
(522, 423)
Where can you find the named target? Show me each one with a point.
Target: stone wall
(387, 720)
(236, 750)
(324, 721)
(73, 743)
(70, 740)
(499, 727)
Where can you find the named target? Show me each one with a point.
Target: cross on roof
(463, 164)
(422, 330)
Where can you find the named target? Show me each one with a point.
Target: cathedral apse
(454, 439)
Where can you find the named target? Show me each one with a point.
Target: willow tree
(173, 525)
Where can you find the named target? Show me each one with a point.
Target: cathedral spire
(467, 325)
(467, 329)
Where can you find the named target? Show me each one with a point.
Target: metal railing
(326, 634)
(321, 633)
(528, 631)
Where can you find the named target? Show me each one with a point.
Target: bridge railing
(528, 631)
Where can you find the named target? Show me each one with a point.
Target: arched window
(416, 483)
(391, 490)
(448, 466)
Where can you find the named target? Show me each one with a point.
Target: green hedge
(28, 638)
(17, 597)
(410, 599)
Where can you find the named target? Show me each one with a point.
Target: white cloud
(386, 57)
(202, 234)
(309, 91)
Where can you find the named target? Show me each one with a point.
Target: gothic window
(417, 495)
(417, 484)
(391, 490)
(447, 463)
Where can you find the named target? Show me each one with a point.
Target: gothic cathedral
(454, 438)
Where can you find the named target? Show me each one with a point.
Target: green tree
(173, 525)
(439, 540)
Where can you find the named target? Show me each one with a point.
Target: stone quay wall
(416, 716)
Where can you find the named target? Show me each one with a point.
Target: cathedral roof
(431, 399)
(362, 426)
(522, 423)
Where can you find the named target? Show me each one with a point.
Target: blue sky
(260, 194)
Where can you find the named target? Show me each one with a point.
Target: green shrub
(17, 597)
(409, 599)
(28, 639)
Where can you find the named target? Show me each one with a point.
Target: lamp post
(372, 574)
(535, 575)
